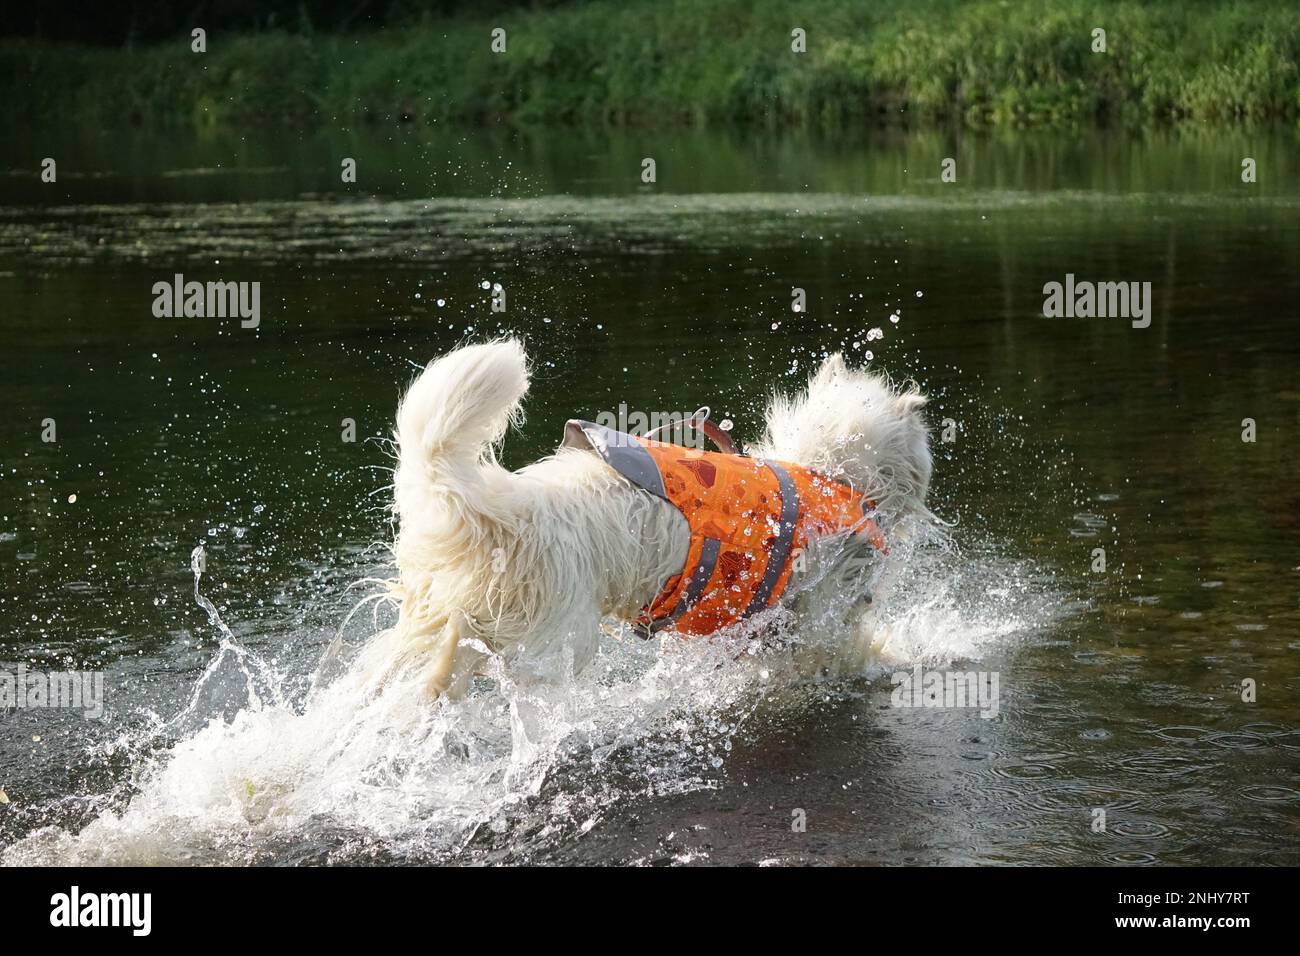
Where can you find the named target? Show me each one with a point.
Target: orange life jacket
(749, 520)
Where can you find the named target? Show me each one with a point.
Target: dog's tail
(451, 420)
(449, 493)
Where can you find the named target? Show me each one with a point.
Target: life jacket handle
(700, 420)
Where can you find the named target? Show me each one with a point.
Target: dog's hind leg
(455, 662)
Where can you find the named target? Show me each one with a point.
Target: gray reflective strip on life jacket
(621, 451)
(780, 556)
(695, 587)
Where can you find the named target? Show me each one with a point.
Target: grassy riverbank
(655, 62)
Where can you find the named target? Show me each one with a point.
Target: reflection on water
(1119, 690)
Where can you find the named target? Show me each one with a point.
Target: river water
(1162, 692)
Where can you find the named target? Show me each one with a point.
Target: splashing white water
(351, 769)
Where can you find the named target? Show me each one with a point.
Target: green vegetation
(656, 62)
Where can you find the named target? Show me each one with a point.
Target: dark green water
(1119, 690)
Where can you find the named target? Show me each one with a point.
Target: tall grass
(704, 61)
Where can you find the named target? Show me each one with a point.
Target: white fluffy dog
(527, 564)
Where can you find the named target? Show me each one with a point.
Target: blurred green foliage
(656, 62)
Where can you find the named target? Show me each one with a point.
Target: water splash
(353, 772)
(234, 680)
